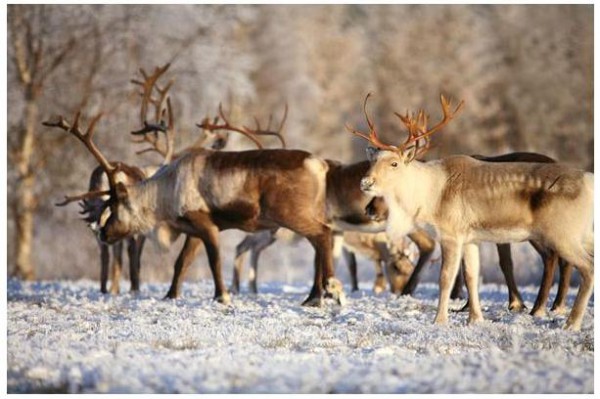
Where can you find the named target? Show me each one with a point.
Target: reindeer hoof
(559, 310)
(475, 318)
(538, 312)
(465, 308)
(517, 306)
(378, 289)
(572, 326)
(334, 289)
(225, 299)
(313, 302)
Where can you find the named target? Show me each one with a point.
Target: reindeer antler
(148, 86)
(268, 132)
(416, 125)
(206, 124)
(91, 194)
(86, 139)
(372, 136)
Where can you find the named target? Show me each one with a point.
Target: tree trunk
(26, 202)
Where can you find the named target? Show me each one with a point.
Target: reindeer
(203, 192)
(92, 208)
(374, 246)
(378, 211)
(468, 201)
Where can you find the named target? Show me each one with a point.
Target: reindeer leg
(583, 260)
(211, 243)
(451, 256)
(550, 258)
(134, 269)
(238, 264)
(333, 287)
(379, 285)
(471, 257)
(141, 241)
(315, 296)
(115, 279)
(350, 259)
(457, 288)
(254, 256)
(560, 302)
(426, 245)
(104, 260)
(515, 302)
(324, 274)
(187, 255)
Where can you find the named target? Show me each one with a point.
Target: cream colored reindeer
(469, 201)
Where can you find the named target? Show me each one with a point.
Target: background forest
(525, 73)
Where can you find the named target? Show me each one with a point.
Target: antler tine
(227, 126)
(169, 134)
(222, 114)
(268, 132)
(92, 126)
(86, 139)
(372, 137)
(147, 86)
(150, 84)
(420, 124)
(369, 122)
(92, 194)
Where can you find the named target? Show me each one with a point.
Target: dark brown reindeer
(345, 212)
(468, 201)
(203, 192)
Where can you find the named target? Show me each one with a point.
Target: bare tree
(46, 45)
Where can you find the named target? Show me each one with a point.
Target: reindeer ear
(121, 192)
(372, 153)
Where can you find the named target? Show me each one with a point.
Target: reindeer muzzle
(366, 183)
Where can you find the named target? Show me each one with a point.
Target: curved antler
(206, 124)
(372, 136)
(148, 86)
(91, 194)
(86, 139)
(416, 125)
(268, 132)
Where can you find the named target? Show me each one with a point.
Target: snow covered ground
(67, 337)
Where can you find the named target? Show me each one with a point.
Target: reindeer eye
(394, 164)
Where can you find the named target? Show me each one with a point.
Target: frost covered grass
(67, 337)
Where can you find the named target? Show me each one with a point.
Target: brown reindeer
(204, 191)
(468, 201)
(92, 208)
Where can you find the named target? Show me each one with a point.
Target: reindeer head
(113, 222)
(388, 162)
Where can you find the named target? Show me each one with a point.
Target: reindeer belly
(499, 235)
(238, 214)
(500, 220)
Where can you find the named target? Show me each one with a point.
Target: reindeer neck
(419, 189)
(150, 203)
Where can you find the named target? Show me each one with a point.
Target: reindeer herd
(369, 207)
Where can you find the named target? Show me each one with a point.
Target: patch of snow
(64, 336)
